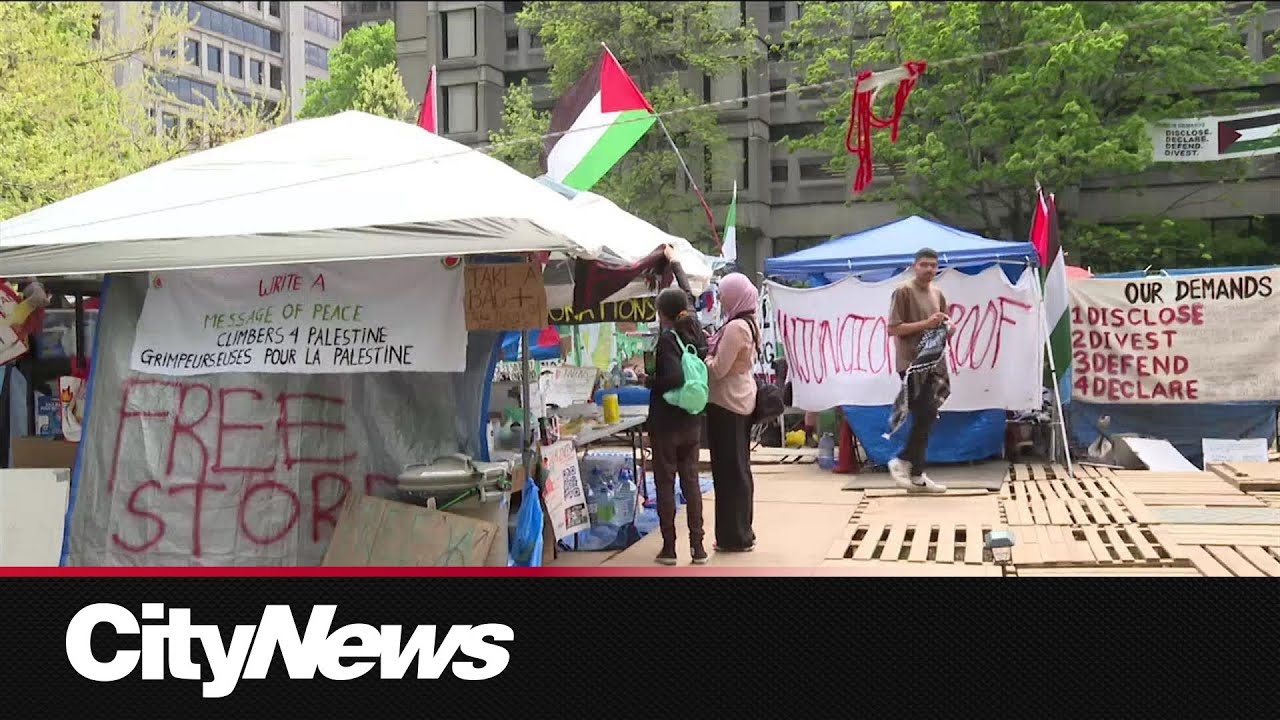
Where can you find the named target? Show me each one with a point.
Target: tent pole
(526, 441)
(1053, 372)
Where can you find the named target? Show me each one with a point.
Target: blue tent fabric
(1183, 425)
(957, 436)
(511, 347)
(894, 245)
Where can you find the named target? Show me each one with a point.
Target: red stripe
(474, 572)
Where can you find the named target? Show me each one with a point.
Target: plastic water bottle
(827, 452)
(593, 497)
(625, 497)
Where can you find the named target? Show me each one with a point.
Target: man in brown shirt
(917, 306)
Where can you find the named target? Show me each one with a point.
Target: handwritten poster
(1208, 338)
(350, 317)
(507, 296)
(839, 351)
(567, 385)
(563, 493)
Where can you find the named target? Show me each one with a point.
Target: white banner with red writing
(248, 468)
(1208, 338)
(839, 351)
(350, 317)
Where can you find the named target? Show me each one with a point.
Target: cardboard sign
(1207, 338)
(375, 532)
(506, 296)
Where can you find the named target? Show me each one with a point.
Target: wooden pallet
(1249, 477)
(1235, 560)
(1093, 471)
(908, 542)
(1089, 545)
(1083, 501)
(771, 456)
(1268, 497)
(1108, 571)
(859, 568)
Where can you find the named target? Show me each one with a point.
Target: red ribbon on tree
(862, 120)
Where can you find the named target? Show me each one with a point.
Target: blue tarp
(878, 254)
(894, 245)
(511, 347)
(1184, 425)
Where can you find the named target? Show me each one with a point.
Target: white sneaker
(923, 484)
(900, 470)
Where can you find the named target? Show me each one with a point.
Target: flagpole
(683, 165)
(1053, 373)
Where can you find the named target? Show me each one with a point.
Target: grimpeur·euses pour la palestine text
(340, 356)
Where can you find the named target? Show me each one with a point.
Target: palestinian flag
(597, 121)
(729, 250)
(1053, 264)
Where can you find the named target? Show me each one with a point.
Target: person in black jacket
(674, 434)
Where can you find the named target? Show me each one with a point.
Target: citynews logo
(253, 647)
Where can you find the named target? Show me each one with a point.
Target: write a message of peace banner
(839, 351)
(349, 317)
(1208, 338)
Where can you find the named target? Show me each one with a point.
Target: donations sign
(1208, 338)
(350, 317)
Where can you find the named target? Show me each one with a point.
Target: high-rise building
(256, 50)
(355, 14)
(786, 201)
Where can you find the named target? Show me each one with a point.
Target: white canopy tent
(352, 186)
(611, 233)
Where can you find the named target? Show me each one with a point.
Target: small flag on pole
(729, 250)
(427, 116)
(1053, 264)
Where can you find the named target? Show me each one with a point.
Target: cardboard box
(40, 453)
(374, 532)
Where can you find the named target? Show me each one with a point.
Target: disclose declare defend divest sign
(377, 316)
(1208, 338)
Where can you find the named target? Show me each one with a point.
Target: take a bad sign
(505, 296)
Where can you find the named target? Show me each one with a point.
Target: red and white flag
(428, 114)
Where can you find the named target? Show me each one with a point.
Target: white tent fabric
(611, 233)
(347, 187)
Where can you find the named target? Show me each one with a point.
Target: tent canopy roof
(895, 245)
(347, 187)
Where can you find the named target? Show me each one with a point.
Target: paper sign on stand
(303, 319)
(506, 296)
(565, 498)
(1218, 451)
(567, 385)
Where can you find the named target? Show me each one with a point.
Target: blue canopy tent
(883, 252)
(1183, 425)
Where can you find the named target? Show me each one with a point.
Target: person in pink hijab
(731, 403)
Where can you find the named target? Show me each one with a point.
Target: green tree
(1018, 91)
(362, 51)
(656, 42)
(77, 89)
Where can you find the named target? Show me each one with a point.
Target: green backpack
(692, 396)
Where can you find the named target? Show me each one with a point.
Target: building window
(513, 41)
(348, 8)
(255, 71)
(235, 65)
(193, 52)
(743, 95)
(461, 108)
(318, 22)
(316, 56)
(273, 9)
(814, 169)
(214, 61)
(744, 181)
(795, 131)
(277, 78)
(458, 29)
(238, 29)
(368, 7)
(535, 39)
(777, 12)
(742, 13)
(778, 172)
(706, 88)
(511, 8)
(778, 86)
(169, 122)
(386, 6)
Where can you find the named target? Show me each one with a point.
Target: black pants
(923, 416)
(729, 439)
(676, 452)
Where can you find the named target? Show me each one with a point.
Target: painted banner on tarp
(242, 468)
(839, 351)
(1217, 138)
(402, 315)
(1208, 338)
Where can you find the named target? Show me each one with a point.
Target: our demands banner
(839, 351)
(1191, 339)
(352, 317)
